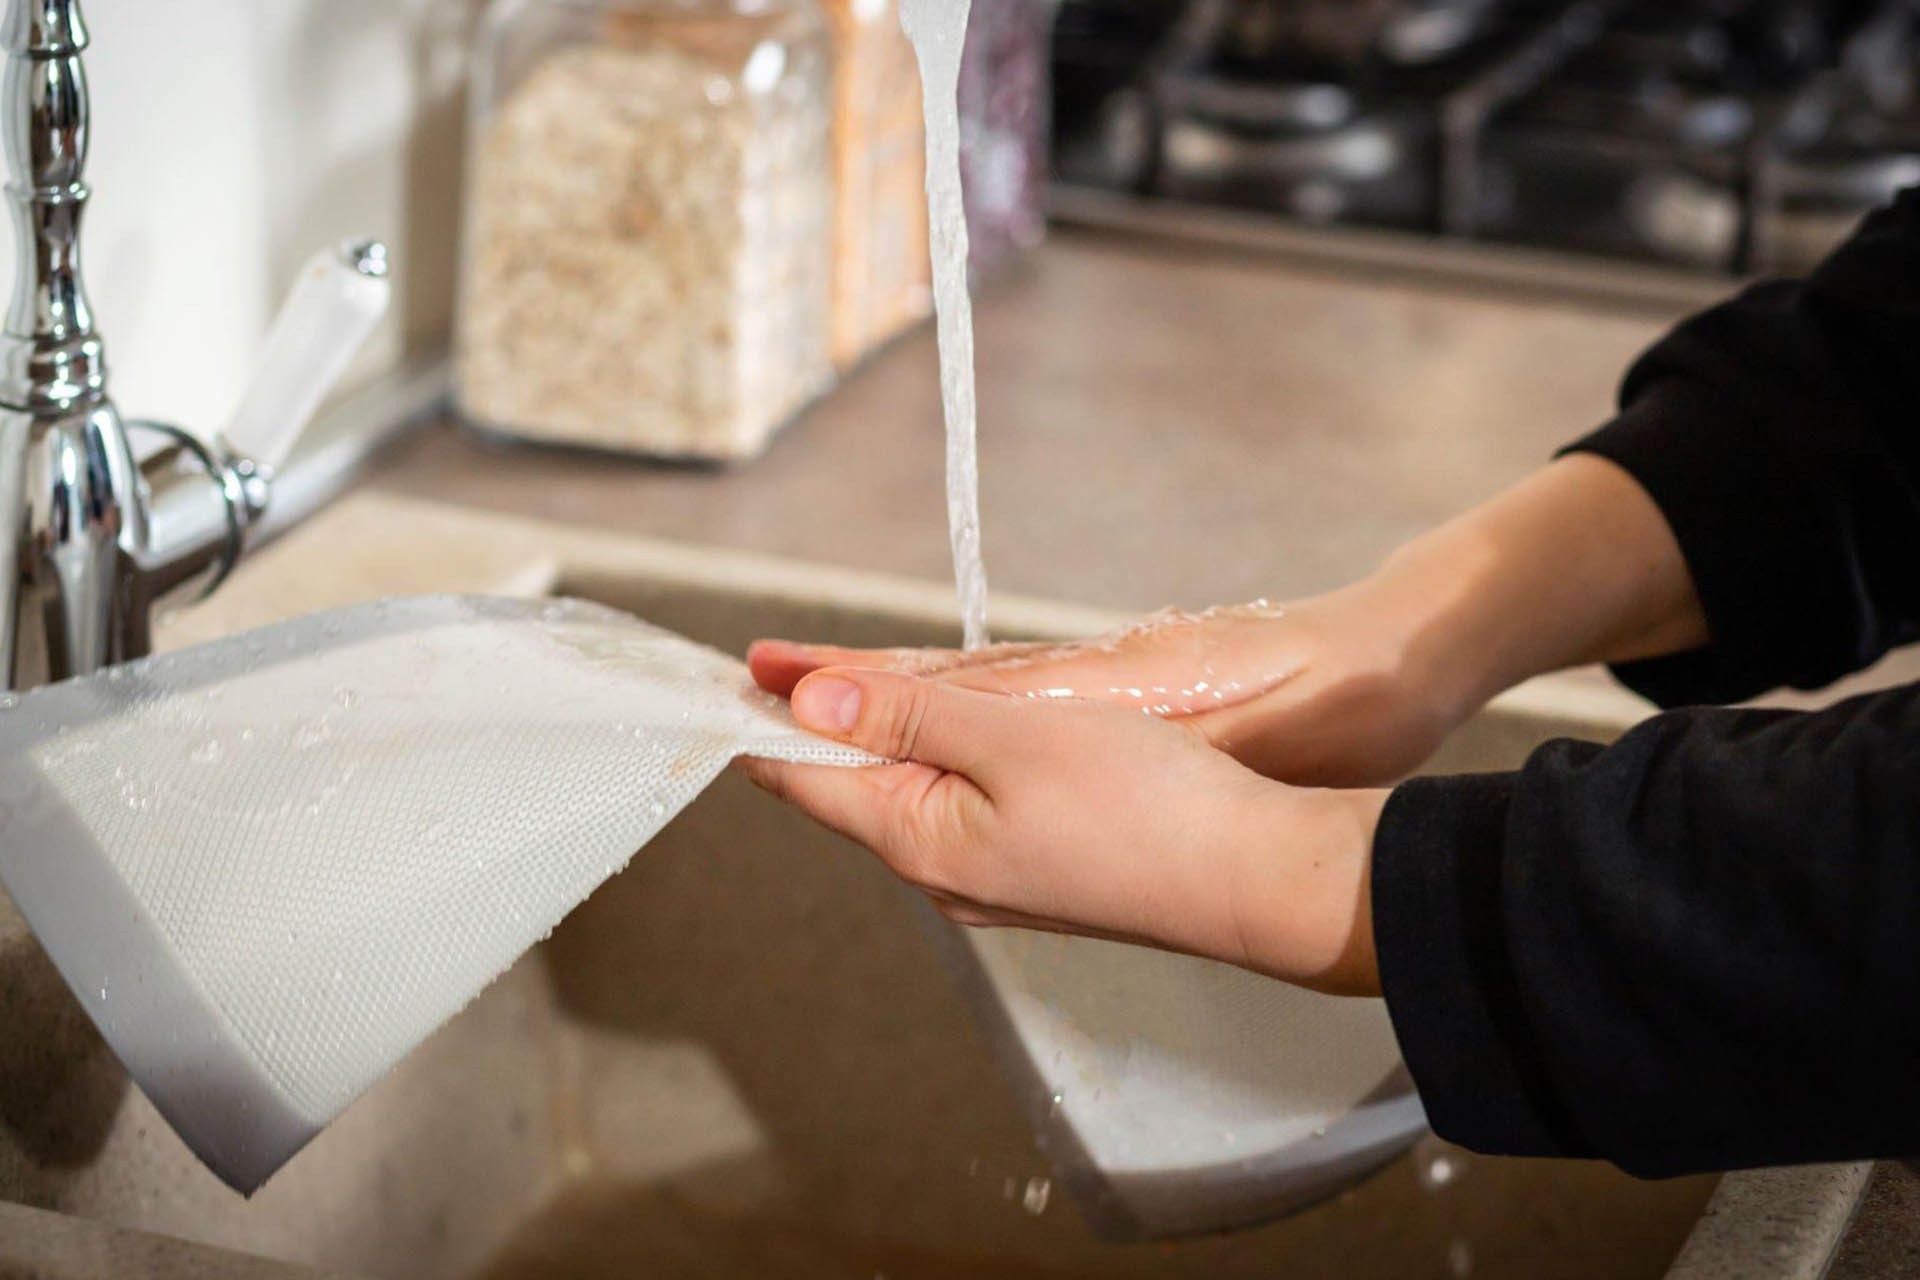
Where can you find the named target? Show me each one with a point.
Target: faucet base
(72, 478)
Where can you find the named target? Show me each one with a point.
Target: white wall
(231, 139)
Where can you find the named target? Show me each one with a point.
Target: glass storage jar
(883, 278)
(648, 224)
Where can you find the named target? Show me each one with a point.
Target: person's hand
(1083, 818)
(1357, 687)
(1324, 692)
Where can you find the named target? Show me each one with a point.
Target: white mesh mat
(271, 865)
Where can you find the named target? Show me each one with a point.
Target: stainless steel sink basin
(745, 1055)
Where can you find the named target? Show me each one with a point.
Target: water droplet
(1438, 1164)
(658, 809)
(1460, 1259)
(1034, 1198)
(344, 698)
(133, 791)
(8, 701)
(103, 992)
(208, 752)
(1439, 1172)
(1055, 1103)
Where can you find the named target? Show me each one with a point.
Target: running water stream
(938, 30)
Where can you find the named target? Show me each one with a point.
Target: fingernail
(827, 704)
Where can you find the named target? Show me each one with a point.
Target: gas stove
(1732, 135)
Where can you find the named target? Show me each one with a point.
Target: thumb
(901, 717)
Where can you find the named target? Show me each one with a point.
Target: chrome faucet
(97, 535)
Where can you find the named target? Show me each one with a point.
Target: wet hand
(1084, 818)
(1322, 692)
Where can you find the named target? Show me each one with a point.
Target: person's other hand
(1357, 687)
(1322, 692)
(1084, 818)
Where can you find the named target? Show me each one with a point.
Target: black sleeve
(1696, 949)
(1780, 435)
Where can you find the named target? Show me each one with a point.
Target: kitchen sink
(747, 1054)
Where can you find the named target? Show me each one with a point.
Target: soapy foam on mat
(314, 843)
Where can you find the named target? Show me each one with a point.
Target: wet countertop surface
(1159, 425)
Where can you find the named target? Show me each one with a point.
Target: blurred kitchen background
(232, 137)
(1287, 250)
(1719, 137)
(1722, 135)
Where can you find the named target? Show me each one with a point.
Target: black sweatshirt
(1700, 948)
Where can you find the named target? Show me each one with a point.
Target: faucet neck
(51, 359)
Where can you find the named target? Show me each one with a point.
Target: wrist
(1438, 602)
(1303, 907)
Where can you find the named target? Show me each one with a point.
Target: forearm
(1573, 565)
(1693, 949)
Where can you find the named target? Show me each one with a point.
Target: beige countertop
(1159, 425)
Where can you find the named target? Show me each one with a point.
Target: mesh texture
(344, 827)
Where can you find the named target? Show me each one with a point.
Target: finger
(1028, 670)
(1172, 672)
(910, 815)
(1024, 670)
(860, 804)
(902, 717)
(779, 665)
